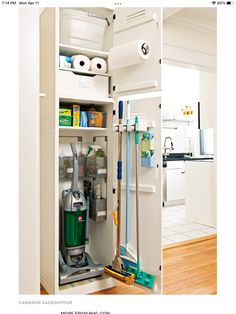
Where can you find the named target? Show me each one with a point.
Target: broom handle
(127, 174)
(137, 192)
(119, 176)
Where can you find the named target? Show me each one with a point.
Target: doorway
(181, 150)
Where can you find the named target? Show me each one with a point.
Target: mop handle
(119, 162)
(127, 172)
(137, 192)
(120, 111)
(119, 176)
(136, 132)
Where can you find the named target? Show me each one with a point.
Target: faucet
(166, 148)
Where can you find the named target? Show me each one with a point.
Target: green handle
(136, 132)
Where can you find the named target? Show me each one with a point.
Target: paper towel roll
(81, 62)
(128, 54)
(98, 65)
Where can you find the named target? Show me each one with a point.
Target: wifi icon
(213, 2)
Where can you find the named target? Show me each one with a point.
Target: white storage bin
(78, 28)
(72, 85)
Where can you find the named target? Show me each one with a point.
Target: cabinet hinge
(160, 267)
(113, 190)
(157, 166)
(114, 112)
(160, 106)
(113, 88)
(160, 61)
(114, 16)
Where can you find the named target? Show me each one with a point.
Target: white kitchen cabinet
(175, 184)
(201, 192)
(143, 24)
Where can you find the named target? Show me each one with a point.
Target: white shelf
(84, 72)
(85, 100)
(69, 130)
(179, 120)
(67, 50)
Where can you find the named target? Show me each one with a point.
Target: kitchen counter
(201, 192)
(185, 157)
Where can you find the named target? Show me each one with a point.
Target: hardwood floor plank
(191, 268)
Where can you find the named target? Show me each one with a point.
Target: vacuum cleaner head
(72, 274)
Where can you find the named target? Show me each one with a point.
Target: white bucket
(78, 28)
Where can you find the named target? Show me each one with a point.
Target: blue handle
(120, 109)
(119, 170)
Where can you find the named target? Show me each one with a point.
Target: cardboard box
(84, 118)
(76, 115)
(65, 120)
(96, 119)
(65, 112)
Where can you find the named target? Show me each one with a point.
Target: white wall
(189, 39)
(29, 219)
(180, 88)
(208, 99)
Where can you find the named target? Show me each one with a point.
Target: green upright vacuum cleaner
(74, 263)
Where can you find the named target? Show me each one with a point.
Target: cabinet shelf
(64, 130)
(85, 100)
(89, 73)
(67, 50)
(179, 120)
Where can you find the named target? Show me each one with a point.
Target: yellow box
(65, 112)
(76, 115)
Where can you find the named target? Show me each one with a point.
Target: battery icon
(229, 2)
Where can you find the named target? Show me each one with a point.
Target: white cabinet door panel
(150, 189)
(175, 184)
(130, 25)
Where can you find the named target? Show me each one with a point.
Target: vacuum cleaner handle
(73, 148)
(75, 180)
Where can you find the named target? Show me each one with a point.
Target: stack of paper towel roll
(84, 64)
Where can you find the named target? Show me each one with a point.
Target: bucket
(81, 29)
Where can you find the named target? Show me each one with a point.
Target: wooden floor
(188, 268)
(121, 288)
(191, 268)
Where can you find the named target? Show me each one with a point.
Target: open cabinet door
(132, 25)
(150, 186)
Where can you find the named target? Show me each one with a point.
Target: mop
(141, 277)
(127, 256)
(116, 270)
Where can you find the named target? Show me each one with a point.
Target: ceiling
(194, 17)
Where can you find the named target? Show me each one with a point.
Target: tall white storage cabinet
(125, 25)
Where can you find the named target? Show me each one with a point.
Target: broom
(141, 277)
